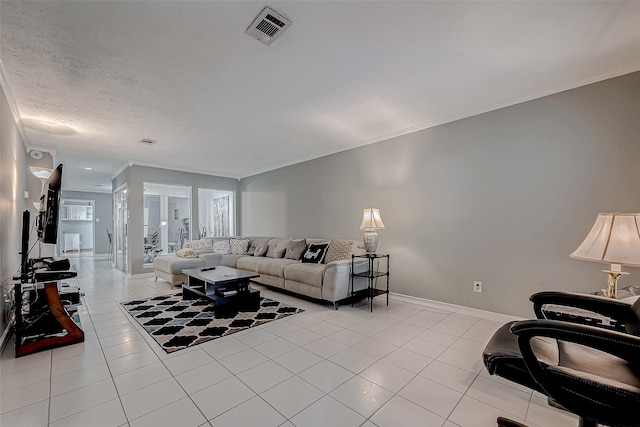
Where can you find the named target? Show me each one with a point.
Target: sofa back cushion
(339, 250)
(295, 249)
(205, 243)
(277, 247)
(315, 253)
(254, 242)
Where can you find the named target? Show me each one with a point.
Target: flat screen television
(49, 206)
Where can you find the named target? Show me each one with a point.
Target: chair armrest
(617, 310)
(600, 397)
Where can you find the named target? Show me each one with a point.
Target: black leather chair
(592, 371)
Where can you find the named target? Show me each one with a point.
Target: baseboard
(460, 309)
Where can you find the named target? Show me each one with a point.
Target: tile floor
(402, 365)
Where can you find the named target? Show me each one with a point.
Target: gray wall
(134, 176)
(503, 197)
(103, 216)
(13, 171)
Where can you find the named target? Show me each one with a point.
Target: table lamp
(371, 221)
(614, 239)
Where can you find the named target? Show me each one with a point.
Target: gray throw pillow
(295, 249)
(261, 250)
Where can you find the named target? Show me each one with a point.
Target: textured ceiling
(91, 78)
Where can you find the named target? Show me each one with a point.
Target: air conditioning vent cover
(268, 26)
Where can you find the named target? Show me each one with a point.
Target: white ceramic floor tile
(23, 396)
(388, 375)
(35, 415)
(361, 395)
(302, 336)
(438, 337)
(325, 347)
(462, 360)
(253, 412)
(183, 413)
(468, 346)
(221, 397)
(276, 347)
(291, 396)
(202, 377)
(23, 378)
(425, 348)
(253, 338)
(399, 412)
(348, 337)
(223, 347)
(75, 349)
(103, 415)
(151, 398)
(374, 347)
(327, 412)
(246, 359)
(542, 415)
(430, 395)
(132, 362)
(473, 413)
(187, 361)
(448, 375)
(264, 376)
(408, 360)
(298, 360)
(141, 377)
(326, 375)
(75, 401)
(79, 378)
(9, 364)
(74, 363)
(325, 328)
(125, 349)
(500, 396)
(281, 328)
(353, 360)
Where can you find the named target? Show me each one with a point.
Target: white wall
(501, 197)
(13, 170)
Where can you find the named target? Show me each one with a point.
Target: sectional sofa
(328, 281)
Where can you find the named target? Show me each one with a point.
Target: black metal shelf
(372, 274)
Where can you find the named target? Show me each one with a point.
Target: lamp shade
(371, 219)
(613, 239)
(41, 173)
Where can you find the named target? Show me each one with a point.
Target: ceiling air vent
(268, 26)
(147, 141)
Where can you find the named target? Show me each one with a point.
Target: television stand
(49, 324)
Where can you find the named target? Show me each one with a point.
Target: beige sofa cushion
(308, 273)
(274, 267)
(249, 263)
(174, 265)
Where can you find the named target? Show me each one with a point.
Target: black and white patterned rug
(176, 324)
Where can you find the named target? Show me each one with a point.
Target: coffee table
(227, 287)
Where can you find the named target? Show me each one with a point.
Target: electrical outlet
(477, 286)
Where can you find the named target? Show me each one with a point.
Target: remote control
(207, 268)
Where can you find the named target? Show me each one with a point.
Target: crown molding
(188, 170)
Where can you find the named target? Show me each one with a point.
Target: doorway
(121, 215)
(77, 228)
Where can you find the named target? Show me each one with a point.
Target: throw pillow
(261, 250)
(277, 247)
(338, 250)
(315, 253)
(221, 247)
(254, 242)
(295, 249)
(201, 244)
(187, 253)
(239, 246)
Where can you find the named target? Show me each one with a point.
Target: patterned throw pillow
(201, 244)
(315, 253)
(239, 246)
(221, 247)
(295, 249)
(339, 250)
(187, 253)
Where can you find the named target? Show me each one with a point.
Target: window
(216, 213)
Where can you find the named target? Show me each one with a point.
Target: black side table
(371, 274)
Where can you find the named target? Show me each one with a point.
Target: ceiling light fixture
(88, 169)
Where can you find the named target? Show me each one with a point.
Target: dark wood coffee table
(227, 287)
